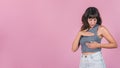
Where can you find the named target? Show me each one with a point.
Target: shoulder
(84, 30)
(102, 28)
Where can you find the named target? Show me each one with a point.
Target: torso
(99, 33)
(87, 53)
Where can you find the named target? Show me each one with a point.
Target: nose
(92, 22)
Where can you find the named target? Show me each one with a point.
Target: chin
(91, 26)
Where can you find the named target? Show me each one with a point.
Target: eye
(95, 19)
(90, 19)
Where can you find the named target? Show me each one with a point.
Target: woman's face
(92, 22)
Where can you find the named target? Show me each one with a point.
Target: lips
(92, 25)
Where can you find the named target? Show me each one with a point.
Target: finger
(87, 43)
(91, 41)
(88, 46)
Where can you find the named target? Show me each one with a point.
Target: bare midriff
(88, 53)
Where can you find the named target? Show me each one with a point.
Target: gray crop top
(85, 39)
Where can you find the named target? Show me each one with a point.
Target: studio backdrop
(39, 33)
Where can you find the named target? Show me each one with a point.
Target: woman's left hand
(93, 45)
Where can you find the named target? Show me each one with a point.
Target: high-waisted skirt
(94, 60)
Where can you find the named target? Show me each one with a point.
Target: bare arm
(111, 41)
(105, 34)
(75, 44)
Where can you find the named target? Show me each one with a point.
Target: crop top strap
(94, 29)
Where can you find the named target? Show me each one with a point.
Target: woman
(89, 37)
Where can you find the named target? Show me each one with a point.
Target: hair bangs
(93, 16)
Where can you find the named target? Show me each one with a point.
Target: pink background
(39, 33)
